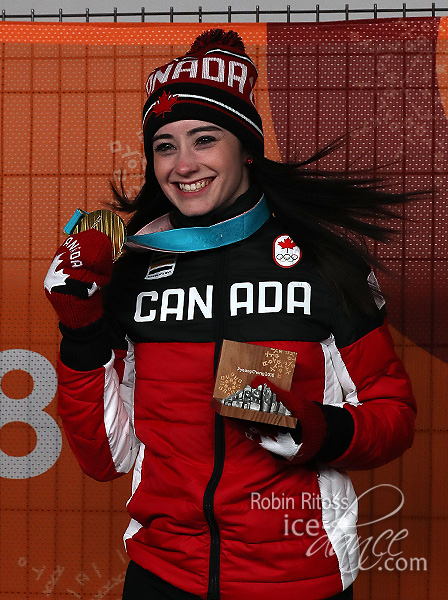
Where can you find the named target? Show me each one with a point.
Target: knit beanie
(213, 82)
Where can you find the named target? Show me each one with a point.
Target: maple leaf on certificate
(164, 104)
(287, 244)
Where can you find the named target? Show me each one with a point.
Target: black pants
(140, 584)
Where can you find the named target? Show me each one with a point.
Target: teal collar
(159, 234)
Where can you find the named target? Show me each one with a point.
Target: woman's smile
(194, 186)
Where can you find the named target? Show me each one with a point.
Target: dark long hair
(330, 215)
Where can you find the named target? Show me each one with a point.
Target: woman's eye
(163, 147)
(205, 139)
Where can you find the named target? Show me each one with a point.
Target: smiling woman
(199, 166)
(248, 250)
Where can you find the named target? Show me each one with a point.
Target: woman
(250, 251)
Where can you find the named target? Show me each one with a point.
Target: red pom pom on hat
(217, 38)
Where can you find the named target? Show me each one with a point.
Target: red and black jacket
(211, 512)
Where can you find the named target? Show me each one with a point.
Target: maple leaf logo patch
(286, 252)
(55, 277)
(164, 104)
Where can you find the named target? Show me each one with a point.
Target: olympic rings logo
(285, 252)
(287, 257)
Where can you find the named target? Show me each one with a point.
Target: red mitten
(81, 266)
(303, 443)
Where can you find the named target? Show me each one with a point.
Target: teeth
(193, 187)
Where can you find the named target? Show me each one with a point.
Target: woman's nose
(186, 162)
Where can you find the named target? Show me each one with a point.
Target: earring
(249, 161)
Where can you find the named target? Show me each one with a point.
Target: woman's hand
(81, 266)
(277, 440)
(300, 444)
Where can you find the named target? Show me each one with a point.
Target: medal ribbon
(159, 234)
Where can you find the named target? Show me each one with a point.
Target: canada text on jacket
(244, 297)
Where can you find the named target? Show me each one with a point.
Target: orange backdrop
(70, 106)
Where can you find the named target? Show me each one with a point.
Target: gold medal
(103, 220)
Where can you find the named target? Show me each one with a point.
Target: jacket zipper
(219, 441)
(215, 539)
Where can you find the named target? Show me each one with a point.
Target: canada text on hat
(213, 82)
(236, 73)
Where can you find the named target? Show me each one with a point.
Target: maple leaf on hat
(287, 244)
(164, 104)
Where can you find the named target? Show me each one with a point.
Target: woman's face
(199, 166)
